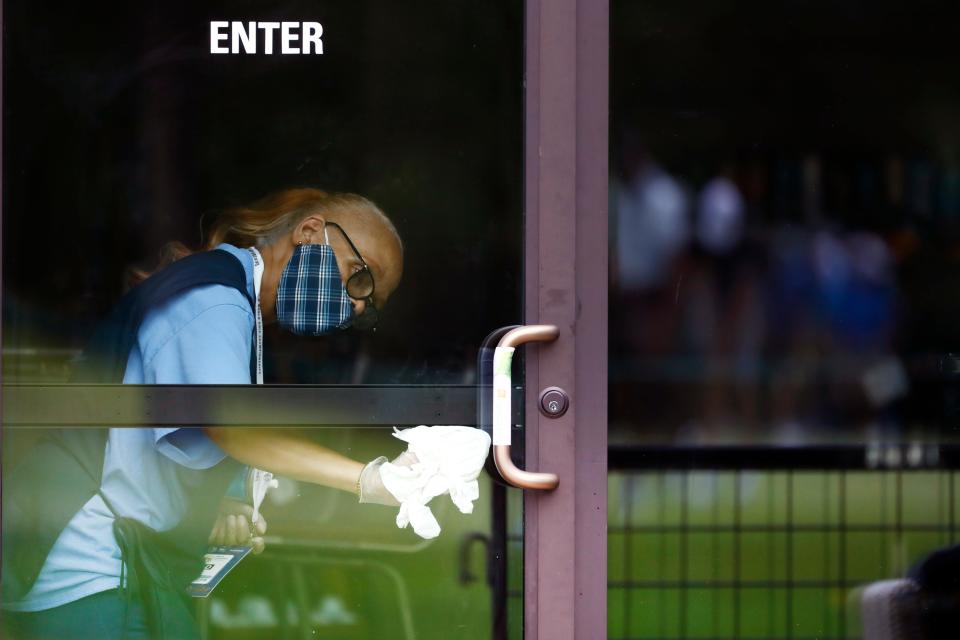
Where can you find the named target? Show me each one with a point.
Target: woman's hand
(233, 526)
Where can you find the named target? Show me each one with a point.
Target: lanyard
(257, 278)
(260, 480)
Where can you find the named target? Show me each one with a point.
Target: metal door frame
(566, 135)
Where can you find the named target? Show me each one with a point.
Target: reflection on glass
(335, 568)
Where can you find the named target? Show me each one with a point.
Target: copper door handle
(502, 383)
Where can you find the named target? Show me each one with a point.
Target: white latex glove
(372, 489)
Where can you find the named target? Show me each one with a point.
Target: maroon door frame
(565, 531)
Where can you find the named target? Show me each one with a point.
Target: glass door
(479, 131)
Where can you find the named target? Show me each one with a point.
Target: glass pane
(785, 224)
(128, 127)
(336, 568)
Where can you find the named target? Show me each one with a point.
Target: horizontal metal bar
(247, 405)
(879, 457)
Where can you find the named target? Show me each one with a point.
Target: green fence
(764, 554)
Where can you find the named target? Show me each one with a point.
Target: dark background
(122, 132)
(838, 123)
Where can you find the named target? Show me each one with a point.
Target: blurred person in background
(834, 304)
(857, 308)
(792, 347)
(724, 327)
(651, 232)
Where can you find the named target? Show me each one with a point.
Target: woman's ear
(309, 229)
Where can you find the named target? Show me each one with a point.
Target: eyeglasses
(360, 286)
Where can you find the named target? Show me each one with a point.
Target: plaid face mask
(311, 298)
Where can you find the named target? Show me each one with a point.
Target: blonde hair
(264, 221)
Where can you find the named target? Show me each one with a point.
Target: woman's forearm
(288, 454)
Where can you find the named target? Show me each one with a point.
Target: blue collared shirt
(203, 336)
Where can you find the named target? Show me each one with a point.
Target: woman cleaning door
(104, 529)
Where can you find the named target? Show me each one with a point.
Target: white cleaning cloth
(449, 460)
